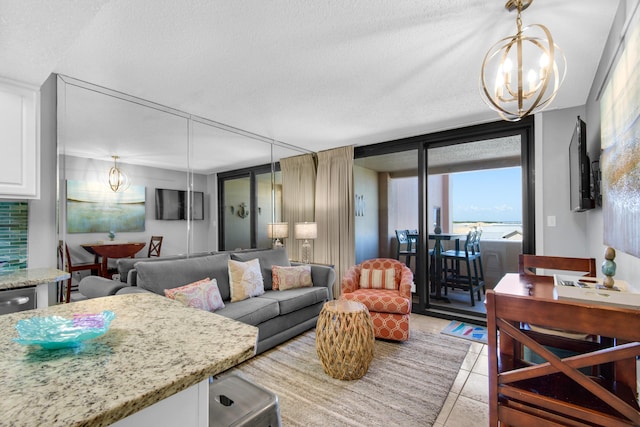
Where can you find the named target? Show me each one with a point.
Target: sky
(487, 195)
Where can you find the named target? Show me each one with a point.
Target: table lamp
(278, 230)
(306, 231)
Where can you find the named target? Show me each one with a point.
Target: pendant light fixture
(521, 74)
(118, 180)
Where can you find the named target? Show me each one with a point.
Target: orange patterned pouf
(344, 339)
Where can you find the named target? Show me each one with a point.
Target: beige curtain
(335, 212)
(298, 196)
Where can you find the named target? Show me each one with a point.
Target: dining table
(106, 250)
(438, 238)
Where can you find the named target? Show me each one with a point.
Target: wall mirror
(157, 148)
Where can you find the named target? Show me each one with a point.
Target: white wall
(577, 234)
(569, 237)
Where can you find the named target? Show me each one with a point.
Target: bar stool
(409, 247)
(471, 279)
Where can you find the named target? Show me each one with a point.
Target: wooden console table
(556, 391)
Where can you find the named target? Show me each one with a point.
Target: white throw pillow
(245, 279)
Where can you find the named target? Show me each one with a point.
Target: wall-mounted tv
(580, 169)
(172, 204)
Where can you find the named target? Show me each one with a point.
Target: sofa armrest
(132, 277)
(96, 286)
(322, 275)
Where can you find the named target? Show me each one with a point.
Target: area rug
(406, 384)
(467, 331)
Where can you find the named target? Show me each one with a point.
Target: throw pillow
(378, 279)
(203, 294)
(245, 279)
(291, 277)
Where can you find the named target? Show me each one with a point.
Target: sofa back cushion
(161, 275)
(268, 258)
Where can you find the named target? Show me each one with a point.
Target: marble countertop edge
(31, 277)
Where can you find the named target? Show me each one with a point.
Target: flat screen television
(172, 204)
(580, 169)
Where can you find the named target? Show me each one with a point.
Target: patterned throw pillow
(291, 277)
(245, 279)
(203, 294)
(378, 279)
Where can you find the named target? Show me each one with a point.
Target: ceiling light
(521, 74)
(118, 180)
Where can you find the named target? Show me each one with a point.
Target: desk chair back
(155, 245)
(527, 264)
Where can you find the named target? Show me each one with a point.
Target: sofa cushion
(252, 311)
(268, 258)
(291, 277)
(378, 278)
(203, 294)
(161, 275)
(295, 299)
(245, 279)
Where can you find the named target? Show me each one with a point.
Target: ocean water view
(491, 230)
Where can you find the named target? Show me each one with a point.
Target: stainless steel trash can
(235, 401)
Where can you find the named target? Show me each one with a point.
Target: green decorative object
(609, 267)
(111, 235)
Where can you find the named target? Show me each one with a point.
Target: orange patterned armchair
(384, 287)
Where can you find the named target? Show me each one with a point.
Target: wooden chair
(526, 264)
(557, 392)
(566, 340)
(155, 244)
(65, 260)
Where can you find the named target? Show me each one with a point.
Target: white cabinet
(19, 140)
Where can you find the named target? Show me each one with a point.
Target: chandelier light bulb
(118, 180)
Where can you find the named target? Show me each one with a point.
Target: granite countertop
(154, 348)
(31, 277)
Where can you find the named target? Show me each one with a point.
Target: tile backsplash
(14, 231)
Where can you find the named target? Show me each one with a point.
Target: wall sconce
(278, 230)
(306, 231)
(118, 180)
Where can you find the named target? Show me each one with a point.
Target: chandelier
(118, 180)
(525, 69)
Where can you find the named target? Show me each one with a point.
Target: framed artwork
(93, 208)
(620, 158)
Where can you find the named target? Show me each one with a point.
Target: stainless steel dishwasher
(13, 300)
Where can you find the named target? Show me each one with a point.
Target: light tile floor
(468, 403)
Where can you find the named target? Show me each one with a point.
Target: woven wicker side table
(344, 339)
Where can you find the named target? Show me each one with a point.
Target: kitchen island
(153, 364)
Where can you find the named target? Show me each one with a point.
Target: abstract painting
(620, 159)
(93, 208)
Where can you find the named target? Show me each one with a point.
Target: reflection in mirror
(159, 148)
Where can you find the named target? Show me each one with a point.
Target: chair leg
(68, 298)
(473, 302)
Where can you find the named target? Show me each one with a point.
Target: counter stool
(472, 277)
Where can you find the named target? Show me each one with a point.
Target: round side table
(344, 339)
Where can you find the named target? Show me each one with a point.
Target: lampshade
(278, 230)
(521, 74)
(306, 230)
(118, 180)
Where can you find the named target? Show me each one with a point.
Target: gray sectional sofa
(279, 315)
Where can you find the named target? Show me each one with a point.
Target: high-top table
(106, 250)
(151, 368)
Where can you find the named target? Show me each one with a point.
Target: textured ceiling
(314, 74)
